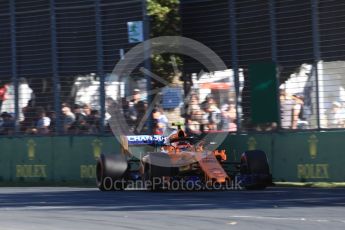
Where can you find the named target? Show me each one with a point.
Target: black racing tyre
(254, 164)
(157, 166)
(161, 164)
(110, 172)
(103, 183)
(152, 180)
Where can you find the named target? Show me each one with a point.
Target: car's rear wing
(144, 140)
(141, 143)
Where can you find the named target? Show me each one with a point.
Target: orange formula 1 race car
(179, 162)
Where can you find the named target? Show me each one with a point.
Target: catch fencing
(57, 59)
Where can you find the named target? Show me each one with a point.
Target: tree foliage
(165, 21)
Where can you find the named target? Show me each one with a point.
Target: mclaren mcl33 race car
(179, 162)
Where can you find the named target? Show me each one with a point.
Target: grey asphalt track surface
(87, 208)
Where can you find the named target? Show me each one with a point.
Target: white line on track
(287, 218)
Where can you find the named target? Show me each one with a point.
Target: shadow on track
(146, 201)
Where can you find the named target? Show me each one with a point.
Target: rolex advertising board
(307, 156)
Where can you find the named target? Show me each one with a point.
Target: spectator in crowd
(79, 126)
(228, 117)
(291, 107)
(156, 128)
(3, 91)
(52, 117)
(1, 123)
(30, 116)
(211, 117)
(136, 96)
(226, 123)
(225, 118)
(43, 122)
(133, 112)
(126, 111)
(86, 110)
(296, 110)
(205, 116)
(213, 113)
(160, 119)
(193, 109)
(140, 123)
(8, 124)
(79, 113)
(93, 122)
(194, 113)
(232, 111)
(287, 110)
(299, 119)
(68, 117)
(110, 103)
(336, 116)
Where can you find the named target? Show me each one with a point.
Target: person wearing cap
(136, 96)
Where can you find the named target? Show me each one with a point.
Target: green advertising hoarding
(307, 156)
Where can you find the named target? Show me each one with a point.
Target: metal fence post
(55, 70)
(316, 53)
(274, 51)
(234, 55)
(14, 62)
(100, 62)
(147, 62)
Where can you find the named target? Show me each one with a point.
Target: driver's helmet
(172, 136)
(176, 135)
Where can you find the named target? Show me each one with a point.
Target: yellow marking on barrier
(31, 171)
(313, 171)
(97, 148)
(88, 171)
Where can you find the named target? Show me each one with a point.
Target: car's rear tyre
(152, 178)
(102, 183)
(158, 168)
(255, 168)
(254, 161)
(110, 172)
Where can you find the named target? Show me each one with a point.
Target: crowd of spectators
(204, 116)
(83, 119)
(76, 119)
(207, 116)
(137, 115)
(80, 119)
